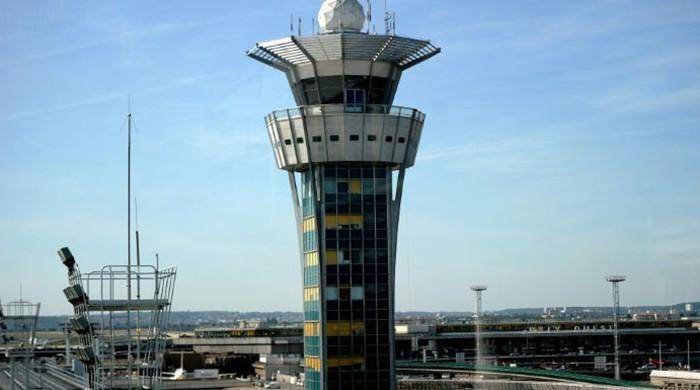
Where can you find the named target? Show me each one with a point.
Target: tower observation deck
(341, 146)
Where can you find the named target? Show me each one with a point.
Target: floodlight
(67, 258)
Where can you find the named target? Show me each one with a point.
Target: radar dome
(340, 16)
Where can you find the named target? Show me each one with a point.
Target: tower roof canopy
(294, 51)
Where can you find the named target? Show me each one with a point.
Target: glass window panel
(349, 96)
(331, 95)
(357, 293)
(368, 186)
(358, 82)
(380, 186)
(331, 82)
(331, 293)
(329, 185)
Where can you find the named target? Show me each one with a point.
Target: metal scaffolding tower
(106, 314)
(478, 290)
(18, 320)
(616, 280)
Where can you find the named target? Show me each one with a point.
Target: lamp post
(478, 290)
(616, 280)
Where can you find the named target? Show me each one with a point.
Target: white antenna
(388, 19)
(369, 16)
(313, 26)
(291, 23)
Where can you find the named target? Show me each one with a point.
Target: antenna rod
(138, 284)
(128, 204)
(128, 245)
(369, 16)
(299, 27)
(291, 23)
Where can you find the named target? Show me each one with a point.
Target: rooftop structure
(18, 321)
(340, 147)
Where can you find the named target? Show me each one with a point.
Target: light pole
(478, 290)
(616, 280)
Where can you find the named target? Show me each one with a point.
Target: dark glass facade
(346, 276)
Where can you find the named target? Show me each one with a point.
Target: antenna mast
(388, 20)
(369, 16)
(138, 282)
(128, 239)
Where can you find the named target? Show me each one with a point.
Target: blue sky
(562, 144)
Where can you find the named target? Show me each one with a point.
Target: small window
(402, 140)
(342, 187)
(354, 137)
(357, 293)
(335, 138)
(288, 142)
(354, 96)
(331, 293)
(300, 140)
(389, 138)
(317, 138)
(344, 294)
(371, 137)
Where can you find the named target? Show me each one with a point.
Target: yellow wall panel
(355, 186)
(312, 329)
(331, 257)
(344, 328)
(310, 294)
(311, 259)
(314, 363)
(345, 361)
(309, 224)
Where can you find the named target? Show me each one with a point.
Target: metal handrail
(330, 109)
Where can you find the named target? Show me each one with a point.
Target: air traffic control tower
(346, 150)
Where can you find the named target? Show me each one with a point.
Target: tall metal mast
(128, 247)
(478, 290)
(616, 280)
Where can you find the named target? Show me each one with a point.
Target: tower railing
(329, 109)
